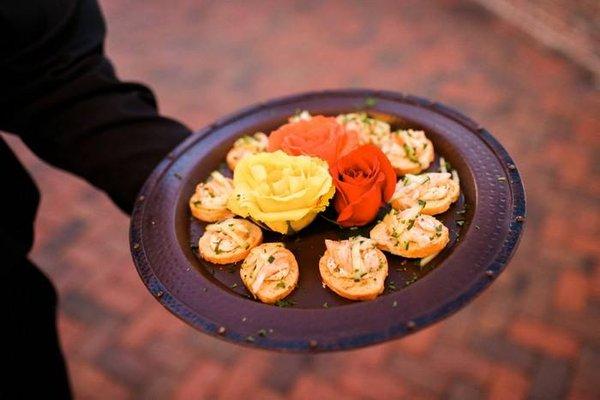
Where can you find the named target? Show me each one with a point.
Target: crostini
(245, 146)
(434, 192)
(300, 116)
(209, 201)
(409, 151)
(370, 130)
(354, 269)
(270, 272)
(229, 241)
(410, 234)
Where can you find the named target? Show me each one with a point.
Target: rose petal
(365, 180)
(362, 210)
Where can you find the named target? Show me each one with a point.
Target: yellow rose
(281, 191)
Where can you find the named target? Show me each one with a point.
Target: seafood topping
(214, 193)
(407, 145)
(270, 264)
(300, 116)
(247, 145)
(353, 258)
(228, 236)
(370, 130)
(424, 187)
(410, 227)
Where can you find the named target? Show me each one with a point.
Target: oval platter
(485, 226)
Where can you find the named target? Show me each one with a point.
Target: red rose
(364, 181)
(320, 137)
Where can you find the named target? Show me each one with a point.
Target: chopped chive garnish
(370, 102)
(285, 303)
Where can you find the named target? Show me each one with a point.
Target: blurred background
(526, 70)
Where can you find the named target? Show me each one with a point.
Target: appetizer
(300, 116)
(229, 241)
(409, 151)
(270, 272)
(245, 146)
(433, 192)
(410, 234)
(209, 201)
(370, 130)
(354, 268)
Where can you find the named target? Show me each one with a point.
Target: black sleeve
(61, 96)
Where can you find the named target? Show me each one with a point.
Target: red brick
(594, 284)
(312, 387)
(371, 357)
(71, 333)
(88, 382)
(453, 360)
(200, 381)
(578, 394)
(118, 294)
(434, 49)
(419, 343)
(508, 384)
(153, 321)
(571, 291)
(548, 339)
(247, 373)
(423, 375)
(266, 394)
(371, 383)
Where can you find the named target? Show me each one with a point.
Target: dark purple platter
(485, 224)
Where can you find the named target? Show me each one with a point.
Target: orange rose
(320, 137)
(364, 181)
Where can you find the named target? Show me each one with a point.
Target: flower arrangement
(346, 165)
(283, 192)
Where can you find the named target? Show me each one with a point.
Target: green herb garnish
(285, 303)
(409, 153)
(370, 101)
(217, 249)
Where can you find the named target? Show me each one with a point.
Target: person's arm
(61, 96)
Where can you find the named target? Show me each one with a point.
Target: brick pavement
(535, 333)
